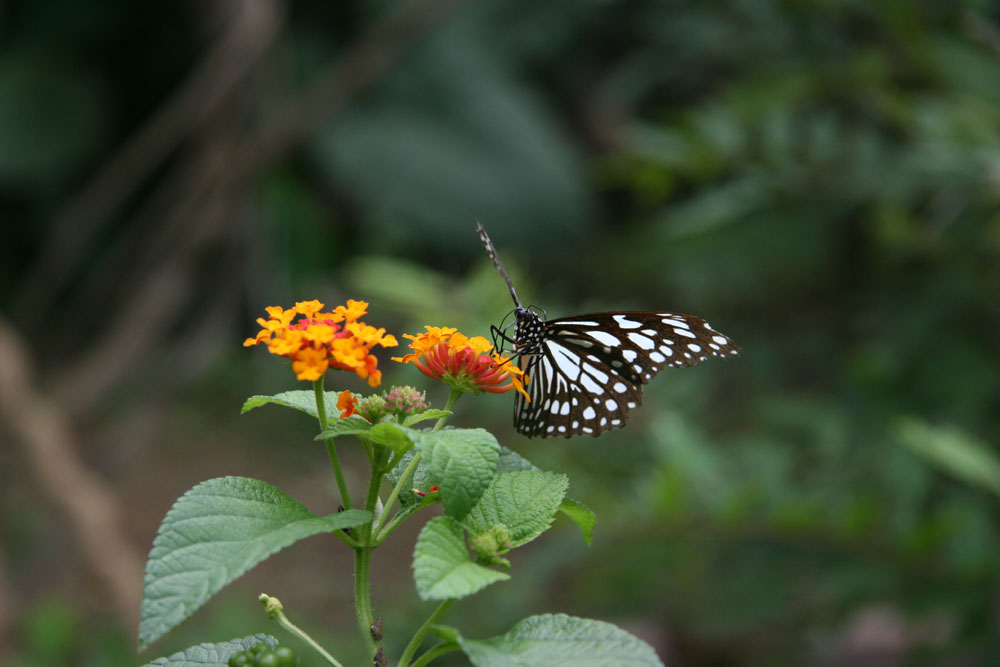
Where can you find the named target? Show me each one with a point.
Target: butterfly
(586, 372)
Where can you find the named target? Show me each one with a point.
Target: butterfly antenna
(492, 252)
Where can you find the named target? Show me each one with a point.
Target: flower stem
(363, 565)
(275, 611)
(414, 644)
(452, 400)
(434, 652)
(405, 477)
(392, 525)
(331, 449)
(363, 597)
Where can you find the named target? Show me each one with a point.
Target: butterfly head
(528, 330)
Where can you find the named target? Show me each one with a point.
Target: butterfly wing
(587, 371)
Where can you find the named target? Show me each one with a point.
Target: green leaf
(558, 640)
(433, 413)
(302, 400)
(442, 567)
(953, 451)
(213, 534)
(352, 425)
(581, 515)
(511, 461)
(524, 501)
(213, 654)
(393, 436)
(462, 463)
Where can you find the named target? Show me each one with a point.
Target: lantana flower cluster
(398, 402)
(465, 364)
(316, 341)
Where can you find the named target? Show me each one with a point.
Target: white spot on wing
(626, 323)
(644, 342)
(630, 355)
(604, 338)
(590, 385)
(564, 359)
(657, 357)
(589, 413)
(598, 375)
(620, 387)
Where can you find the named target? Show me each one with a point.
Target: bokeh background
(820, 179)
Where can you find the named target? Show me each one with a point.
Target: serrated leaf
(462, 463)
(352, 425)
(511, 461)
(524, 501)
(953, 451)
(442, 567)
(395, 437)
(213, 534)
(217, 654)
(425, 415)
(302, 400)
(581, 515)
(558, 640)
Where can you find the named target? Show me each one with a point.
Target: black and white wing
(586, 372)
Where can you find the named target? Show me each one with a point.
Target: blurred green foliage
(820, 179)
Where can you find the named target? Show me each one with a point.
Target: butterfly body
(586, 371)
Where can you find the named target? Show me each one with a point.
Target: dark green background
(819, 179)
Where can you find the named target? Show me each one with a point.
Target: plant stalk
(415, 642)
(331, 449)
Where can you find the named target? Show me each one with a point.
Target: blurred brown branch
(47, 438)
(253, 27)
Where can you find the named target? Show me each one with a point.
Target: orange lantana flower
(465, 364)
(346, 403)
(318, 341)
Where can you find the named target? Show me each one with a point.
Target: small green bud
(286, 657)
(266, 659)
(490, 544)
(372, 408)
(241, 659)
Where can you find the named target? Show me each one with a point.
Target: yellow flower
(463, 363)
(310, 364)
(317, 341)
